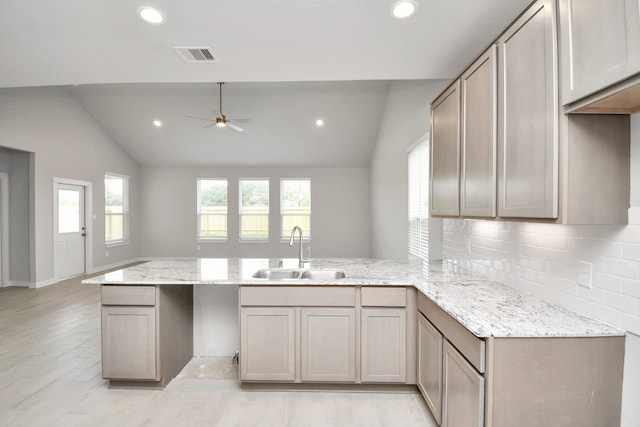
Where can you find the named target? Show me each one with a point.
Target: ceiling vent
(195, 54)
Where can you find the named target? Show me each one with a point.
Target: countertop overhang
(485, 307)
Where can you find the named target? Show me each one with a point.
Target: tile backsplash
(547, 260)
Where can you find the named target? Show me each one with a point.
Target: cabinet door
(328, 345)
(430, 366)
(267, 344)
(463, 392)
(129, 343)
(479, 139)
(384, 345)
(527, 116)
(600, 44)
(445, 152)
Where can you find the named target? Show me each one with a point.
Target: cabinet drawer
(471, 347)
(384, 297)
(128, 295)
(298, 296)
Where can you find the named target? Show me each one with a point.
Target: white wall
(543, 259)
(405, 120)
(67, 144)
(340, 201)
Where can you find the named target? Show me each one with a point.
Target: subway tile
(606, 282)
(586, 248)
(631, 323)
(606, 314)
(630, 287)
(550, 241)
(621, 302)
(631, 252)
(634, 216)
(623, 268)
(591, 294)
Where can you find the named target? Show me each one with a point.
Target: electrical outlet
(585, 271)
(106, 254)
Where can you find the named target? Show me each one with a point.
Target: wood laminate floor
(50, 375)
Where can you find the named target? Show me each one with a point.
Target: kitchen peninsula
(385, 324)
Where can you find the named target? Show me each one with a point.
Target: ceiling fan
(220, 119)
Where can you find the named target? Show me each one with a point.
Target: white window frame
(199, 214)
(285, 234)
(241, 214)
(125, 210)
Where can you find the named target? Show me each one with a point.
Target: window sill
(259, 241)
(117, 243)
(212, 240)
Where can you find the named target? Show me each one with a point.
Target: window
(116, 208)
(295, 206)
(419, 200)
(212, 208)
(254, 209)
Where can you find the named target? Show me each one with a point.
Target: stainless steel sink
(289, 274)
(322, 274)
(277, 274)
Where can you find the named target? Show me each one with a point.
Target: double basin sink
(298, 274)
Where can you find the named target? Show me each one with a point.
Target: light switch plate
(585, 272)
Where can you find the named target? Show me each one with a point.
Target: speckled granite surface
(486, 308)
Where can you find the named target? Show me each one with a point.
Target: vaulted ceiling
(286, 63)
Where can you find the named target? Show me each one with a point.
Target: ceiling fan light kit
(221, 120)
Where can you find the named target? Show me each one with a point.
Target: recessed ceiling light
(319, 122)
(151, 15)
(157, 123)
(404, 8)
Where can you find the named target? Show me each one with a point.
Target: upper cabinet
(528, 136)
(445, 152)
(479, 113)
(600, 46)
(504, 147)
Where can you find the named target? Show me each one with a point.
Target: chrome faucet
(301, 259)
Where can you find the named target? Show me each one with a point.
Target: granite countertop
(486, 308)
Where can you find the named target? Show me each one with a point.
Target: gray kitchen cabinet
(599, 45)
(528, 116)
(147, 333)
(445, 153)
(430, 342)
(268, 344)
(129, 343)
(327, 334)
(384, 345)
(328, 344)
(463, 391)
(525, 381)
(479, 137)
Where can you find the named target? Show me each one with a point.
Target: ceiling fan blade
(201, 118)
(239, 120)
(208, 125)
(235, 127)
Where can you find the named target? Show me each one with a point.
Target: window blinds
(419, 199)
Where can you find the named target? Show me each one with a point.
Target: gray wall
(340, 206)
(405, 120)
(66, 143)
(16, 165)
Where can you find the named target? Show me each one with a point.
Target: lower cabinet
(507, 381)
(463, 391)
(325, 334)
(129, 343)
(328, 344)
(268, 343)
(384, 345)
(147, 333)
(430, 366)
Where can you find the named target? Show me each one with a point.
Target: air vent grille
(195, 54)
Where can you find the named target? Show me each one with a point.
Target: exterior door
(70, 231)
